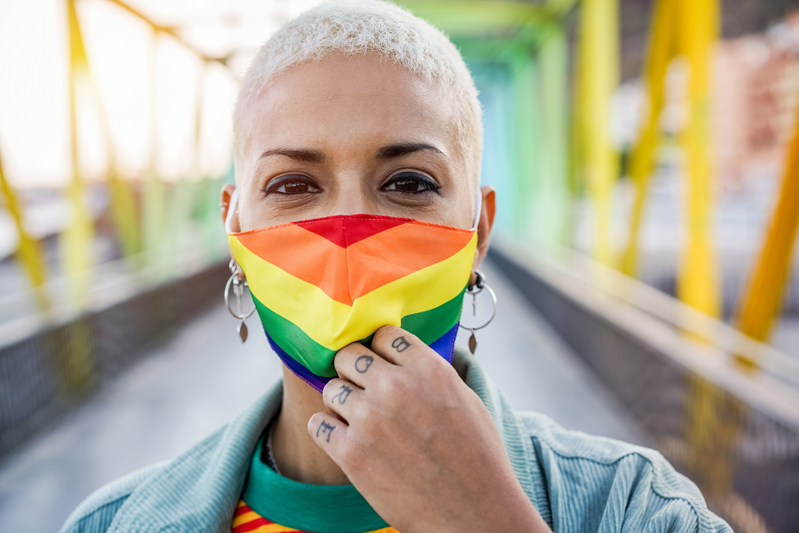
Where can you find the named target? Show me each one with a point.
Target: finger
(398, 346)
(359, 364)
(341, 397)
(329, 433)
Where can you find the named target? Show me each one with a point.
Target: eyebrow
(398, 150)
(307, 156)
(387, 152)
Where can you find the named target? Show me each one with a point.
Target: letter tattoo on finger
(343, 394)
(324, 427)
(400, 344)
(363, 363)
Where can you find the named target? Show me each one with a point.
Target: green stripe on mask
(429, 326)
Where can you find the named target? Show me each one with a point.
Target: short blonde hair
(357, 27)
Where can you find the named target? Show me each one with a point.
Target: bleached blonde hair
(357, 27)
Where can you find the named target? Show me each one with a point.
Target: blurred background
(646, 157)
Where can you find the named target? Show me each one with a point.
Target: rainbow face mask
(321, 284)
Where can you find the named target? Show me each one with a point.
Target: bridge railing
(733, 430)
(50, 366)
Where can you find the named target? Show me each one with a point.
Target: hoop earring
(238, 289)
(474, 290)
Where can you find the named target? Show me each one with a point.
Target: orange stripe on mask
(316, 260)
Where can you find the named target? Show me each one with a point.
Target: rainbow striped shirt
(276, 503)
(248, 521)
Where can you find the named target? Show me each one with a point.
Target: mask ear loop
(232, 208)
(478, 206)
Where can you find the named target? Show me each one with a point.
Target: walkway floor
(203, 377)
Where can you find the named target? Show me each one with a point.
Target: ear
(224, 202)
(484, 227)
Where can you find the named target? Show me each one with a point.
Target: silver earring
(474, 290)
(238, 289)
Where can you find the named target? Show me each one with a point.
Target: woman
(358, 221)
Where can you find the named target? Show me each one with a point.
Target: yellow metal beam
(77, 239)
(661, 50)
(73, 357)
(29, 251)
(688, 28)
(597, 79)
(760, 305)
(698, 283)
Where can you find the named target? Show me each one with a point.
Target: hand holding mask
(321, 284)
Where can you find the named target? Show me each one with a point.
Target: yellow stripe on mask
(333, 324)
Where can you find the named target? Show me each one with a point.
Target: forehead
(346, 103)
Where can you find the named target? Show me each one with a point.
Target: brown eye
(292, 184)
(411, 183)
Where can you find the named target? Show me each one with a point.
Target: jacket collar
(199, 490)
(516, 439)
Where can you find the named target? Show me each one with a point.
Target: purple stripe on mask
(444, 346)
(317, 382)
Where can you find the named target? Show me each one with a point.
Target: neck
(295, 452)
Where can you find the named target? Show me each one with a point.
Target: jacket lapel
(514, 436)
(199, 490)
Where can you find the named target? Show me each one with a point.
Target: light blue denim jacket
(579, 483)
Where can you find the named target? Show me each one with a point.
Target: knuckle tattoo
(363, 363)
(343, 394)
(325, 428)
(400, 344)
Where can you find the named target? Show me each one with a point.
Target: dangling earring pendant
(473, 341)
(242, 329)
(473, 336)
(238, 290)
(474, 290)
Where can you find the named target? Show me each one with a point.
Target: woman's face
(348, 136)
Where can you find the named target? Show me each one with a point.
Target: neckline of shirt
(318, 508)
